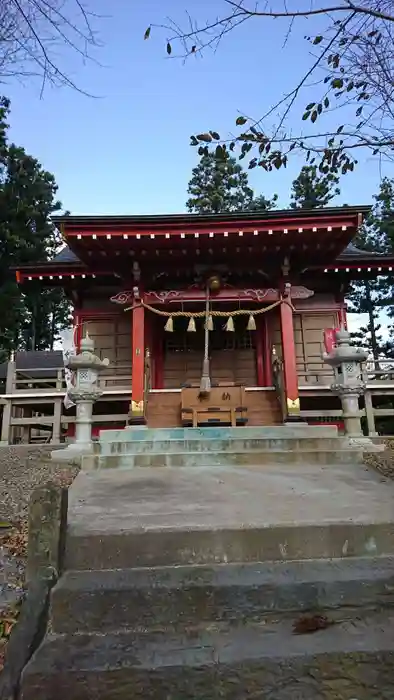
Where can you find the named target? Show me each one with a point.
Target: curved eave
(157, 221)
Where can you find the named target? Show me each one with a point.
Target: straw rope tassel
(251, 323)
(191, 328)
(169, 327)
(230, 325)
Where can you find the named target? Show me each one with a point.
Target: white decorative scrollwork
(258, 294)
(163, 297)
(301, 293)
(125, 297)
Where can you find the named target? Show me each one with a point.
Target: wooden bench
(224, 405)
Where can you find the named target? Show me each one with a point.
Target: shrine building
(210, 319)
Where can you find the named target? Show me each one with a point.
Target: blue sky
(127, 151)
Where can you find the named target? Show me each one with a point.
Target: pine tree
(369, 296)
(311, 189)
(27, 235)
(261, 203)
(218, 185)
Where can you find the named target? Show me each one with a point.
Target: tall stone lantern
(86, 367)
(345, 359)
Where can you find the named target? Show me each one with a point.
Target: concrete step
(216, 445)
(224, 459)
(218, 433)
(103, 549)
(164, 598)
(350, 659)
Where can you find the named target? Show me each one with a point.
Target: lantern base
(74, 451)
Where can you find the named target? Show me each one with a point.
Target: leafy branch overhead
(351, 72)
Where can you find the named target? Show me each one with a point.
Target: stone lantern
(86, 367)
(348, 384)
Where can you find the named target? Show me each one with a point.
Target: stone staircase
(224, 581)
(208, 447)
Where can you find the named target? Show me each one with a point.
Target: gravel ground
(22, 469)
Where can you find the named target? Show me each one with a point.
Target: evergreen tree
(29, 319)
(261, 203)
(218, 185)
(369, 296)
(311, 189)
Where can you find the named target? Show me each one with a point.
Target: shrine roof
(317, 239)
(185, 218)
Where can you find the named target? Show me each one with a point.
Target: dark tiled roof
(37, 364)
(66, 255)
(351, 251)
(200, 218)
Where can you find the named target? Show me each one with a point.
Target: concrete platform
(121, 519)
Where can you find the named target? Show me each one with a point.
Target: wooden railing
(314, 372)
(40, 381)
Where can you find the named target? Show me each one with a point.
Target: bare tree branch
(31, 31)
(352, 69)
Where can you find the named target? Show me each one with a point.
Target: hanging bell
(251, 323)
(191, 326)
(230, 325)
(169, 327)
(210, 323)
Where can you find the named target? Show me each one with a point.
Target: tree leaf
(314, 116)
(337, 83)
(319, 108)
(240, 121)
(169, 48)
(326, 102)
(193, 49)
(310, 106)
(317, 40)
(147, 33)
(215, 135)
(193, 141)
(305, 116)
(359, 111)
(340, 129)
(204, 137)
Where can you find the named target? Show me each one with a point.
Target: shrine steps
(195, 584)
(174, 598)
(220, 447)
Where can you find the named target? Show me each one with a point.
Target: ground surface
(152, 498)
(22, 469)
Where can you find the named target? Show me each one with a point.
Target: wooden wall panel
(112, 337)
(237, 366)
(308, 336)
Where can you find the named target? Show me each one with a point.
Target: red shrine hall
(211, 319)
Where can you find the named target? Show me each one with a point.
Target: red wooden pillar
(138, 364)
(159, 356)
(289, 357)
(268, 379)
(260, 352)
